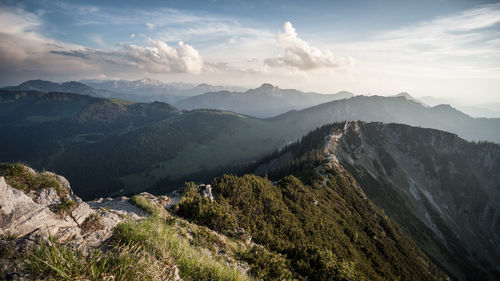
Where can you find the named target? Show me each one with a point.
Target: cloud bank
(299, 54)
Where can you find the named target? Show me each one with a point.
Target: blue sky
(442, 48)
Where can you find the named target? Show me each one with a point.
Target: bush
(266, 265)
(203, 211)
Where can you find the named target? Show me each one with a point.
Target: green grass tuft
(19, 177)
(147, 206)
(139, 250)
(64, 208)
(162, 241)
(120, 262)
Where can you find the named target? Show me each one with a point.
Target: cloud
(161, 58)
(73, 53)
(26, 54)
(461, 45)
(299, 54)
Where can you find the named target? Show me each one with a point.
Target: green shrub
(266, 265)
(322, 231)
(203, 211)
(203, 238)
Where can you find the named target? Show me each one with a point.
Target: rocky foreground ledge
(42, 213)
(44, 209)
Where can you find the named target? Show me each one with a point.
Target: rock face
(442, 189)
(33, 215)
(206, 191)
(20, 215)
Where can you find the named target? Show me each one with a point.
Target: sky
(441, 48)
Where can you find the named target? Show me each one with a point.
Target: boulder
(206, 191)
(20, 215)
(45, 196)
(81, 212)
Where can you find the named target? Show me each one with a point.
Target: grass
(19, 177)
(147, 206)
(162, 241)
(120, 262)
(139, 250)
(64, 208)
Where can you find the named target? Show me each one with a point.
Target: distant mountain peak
(268, 89)
(410, 97)
(404, 94)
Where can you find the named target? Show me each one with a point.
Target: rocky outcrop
(21, 216)
(206, 191)
(43, 215)
(40, 214)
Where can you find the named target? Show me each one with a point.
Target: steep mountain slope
(66, 87)
(323, 224)
(265, 101)
(443, 190)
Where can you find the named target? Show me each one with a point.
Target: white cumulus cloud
(299, 54)
(160, 57)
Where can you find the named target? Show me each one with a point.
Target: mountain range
(106, 145)
(264, 101)
(149, 90)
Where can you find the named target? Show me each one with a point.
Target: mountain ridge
(440, 188)
(265, 101)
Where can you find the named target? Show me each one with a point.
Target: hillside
(442, 189)
(48, 232)
(100, 144)
(265, 101)
(322, 223)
